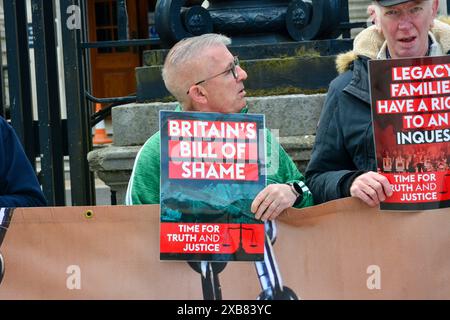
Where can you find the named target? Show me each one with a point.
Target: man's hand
(272, 200)
(371, 187)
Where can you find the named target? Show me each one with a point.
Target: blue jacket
(19, 186)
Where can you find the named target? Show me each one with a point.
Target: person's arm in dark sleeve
(19, 186)
(330, 170)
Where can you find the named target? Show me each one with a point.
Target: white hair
(374, 11)
(177, 71)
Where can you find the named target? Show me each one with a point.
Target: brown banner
(339, 250)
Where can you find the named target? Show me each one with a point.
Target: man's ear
(374, 14)
(198, 95)
(435, 8)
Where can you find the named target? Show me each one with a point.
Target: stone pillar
(358, 13)
(132, 125)
(358, 9)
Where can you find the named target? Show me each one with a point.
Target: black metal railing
(51, 137)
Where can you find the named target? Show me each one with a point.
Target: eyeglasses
(232, 68)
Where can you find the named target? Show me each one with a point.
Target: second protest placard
(411, 122)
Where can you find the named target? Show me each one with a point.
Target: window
(106, 28)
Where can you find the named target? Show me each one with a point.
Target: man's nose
(242, 75)
(404, 25)
(404, 21)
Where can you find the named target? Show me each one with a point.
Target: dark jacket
(344, 141)
(19, 186)
(344, 146)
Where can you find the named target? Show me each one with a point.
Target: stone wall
(293, 117)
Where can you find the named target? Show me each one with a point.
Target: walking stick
(268, 273)
(5, 218)
(209, 272)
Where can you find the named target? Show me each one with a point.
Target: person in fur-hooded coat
(343, 158)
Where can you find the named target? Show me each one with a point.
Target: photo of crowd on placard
(414, 159)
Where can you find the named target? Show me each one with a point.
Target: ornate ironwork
(261, 21)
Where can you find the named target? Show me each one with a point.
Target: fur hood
(369, 41)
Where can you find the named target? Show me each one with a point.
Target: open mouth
(242, 91)
(407, 39)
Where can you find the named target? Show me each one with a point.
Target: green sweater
(144, 184)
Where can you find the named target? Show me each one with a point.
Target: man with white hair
(343, 158)
(202, 74)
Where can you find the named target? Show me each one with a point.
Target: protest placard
(212, 167)
(411, 121)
